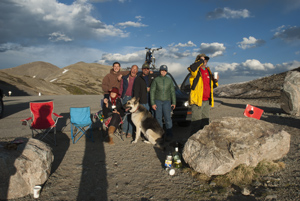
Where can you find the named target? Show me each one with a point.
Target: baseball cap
(163, 67)
(145, 65)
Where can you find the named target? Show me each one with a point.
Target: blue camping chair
(80, 120)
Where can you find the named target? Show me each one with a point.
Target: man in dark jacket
(141, 87)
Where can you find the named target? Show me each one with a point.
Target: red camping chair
(41, 122)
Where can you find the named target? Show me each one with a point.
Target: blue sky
(245, 39)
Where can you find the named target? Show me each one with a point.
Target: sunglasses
(146, 68)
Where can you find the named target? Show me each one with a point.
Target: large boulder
(228, 142)
(23, 167)
(290, 95)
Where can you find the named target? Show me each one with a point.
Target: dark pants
(115, 120)
(200, 117)
(198, 125)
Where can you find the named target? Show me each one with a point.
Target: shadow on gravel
(6, 87)
(241, 197)
(64, 122)
(284, 121)
(59, 151)
(15, 108)
(243, 106)
(271, 115)
(231, 104)
(93, 184)
(161, 155)
(8, 158)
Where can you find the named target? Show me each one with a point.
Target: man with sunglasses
(141, 87)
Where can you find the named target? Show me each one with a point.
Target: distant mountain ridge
(42, 77)
(267, 87)
(37, 69)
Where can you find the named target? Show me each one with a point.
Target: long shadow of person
(8, 156)
(93, 183)
(161, 155)
(60, 150)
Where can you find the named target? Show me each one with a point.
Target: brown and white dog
(145, 123)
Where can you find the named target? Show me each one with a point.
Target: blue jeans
(127, 123)
(164, 109)
(146, 106)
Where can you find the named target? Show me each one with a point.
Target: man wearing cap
(141, 87)
(201, 95)
(163, 99)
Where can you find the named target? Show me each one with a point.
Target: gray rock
(246, 191)
(229, 142)
(24, 168)
(271, 197)
(290, 94)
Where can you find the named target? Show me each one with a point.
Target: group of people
(156, 95)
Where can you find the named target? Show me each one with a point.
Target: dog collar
(136, 110)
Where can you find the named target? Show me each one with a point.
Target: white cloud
(288, 65)
(58, 36)
(250, 43)
(9, 46)
(288, 33)
(188, 44)
(108, 58)
(228, 13)
(131, 24)
(254, 64)
(139, 18)
(169, 53)
(226, 66)
(33, 21)
(212, 49)
(99, 1)
(250, 69)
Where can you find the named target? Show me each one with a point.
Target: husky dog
(144, 122)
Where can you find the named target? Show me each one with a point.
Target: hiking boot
(111, 131)
(110, 140)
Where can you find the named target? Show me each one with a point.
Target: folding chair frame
(118, 131)
(42, 133)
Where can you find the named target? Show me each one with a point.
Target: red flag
(253, 112)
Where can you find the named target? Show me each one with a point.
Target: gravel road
(97, 171)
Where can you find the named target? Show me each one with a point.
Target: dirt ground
(98, 171)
